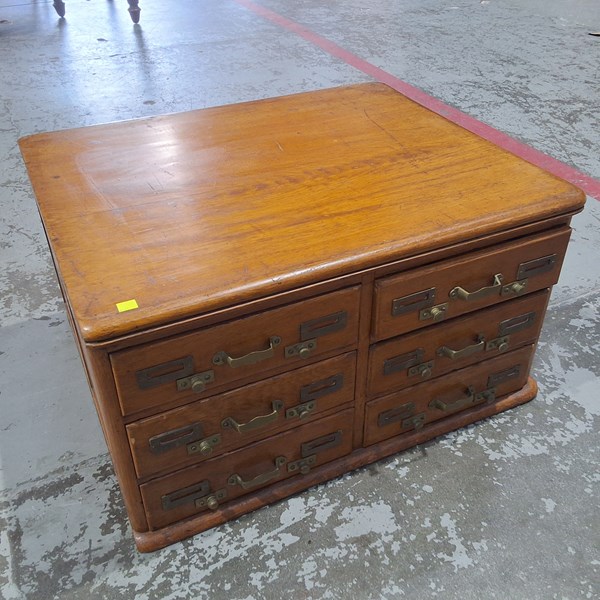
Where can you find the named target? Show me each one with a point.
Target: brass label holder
(403, 361)
(516, 323)
(403, 414)
(320, 388)
(169, 440)
(396, 414)
(323, 325)
(309, 451)
(320, 444)
(501, 376)
(537, 266)
(199, 494)
(413, 302)
(411, 361)
(165, 372)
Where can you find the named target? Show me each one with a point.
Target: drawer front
(209, 427)
(414, 407)
(416, 357)
(192, 365)
(453, 287)
(215, 482)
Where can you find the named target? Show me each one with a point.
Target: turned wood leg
(134, 10)
(59, 7)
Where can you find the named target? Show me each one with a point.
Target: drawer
(219, 480)
(409, 359)
(192, 365)
(212, 426)
(453, 287)
(414, 407)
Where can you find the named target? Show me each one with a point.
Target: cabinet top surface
(192, 212)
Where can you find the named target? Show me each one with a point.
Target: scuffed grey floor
(506, 509)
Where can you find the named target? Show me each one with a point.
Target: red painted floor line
(588, 184)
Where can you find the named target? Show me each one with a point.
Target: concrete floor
(505, 509)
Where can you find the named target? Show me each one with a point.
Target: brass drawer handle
(469, 399)
(466, 351)
(235, 479)
(256, 422)
(462, 294)
(221, 358)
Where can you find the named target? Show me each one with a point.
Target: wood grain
(471, 272)
(243, 404)
(153, 540)
(193, 212)
(455, 334)
(231, 225)
(249, 463)
(449, 389)
(237, 338)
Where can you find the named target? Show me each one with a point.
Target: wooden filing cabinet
(267, 295)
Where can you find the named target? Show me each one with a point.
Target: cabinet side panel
(99, 373)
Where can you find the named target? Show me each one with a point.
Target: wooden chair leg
(134, 10)
(59, 7)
